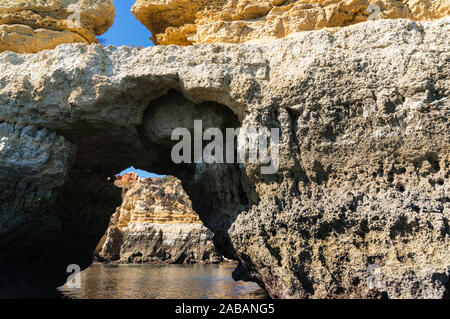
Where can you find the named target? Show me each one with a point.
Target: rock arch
(359, 111)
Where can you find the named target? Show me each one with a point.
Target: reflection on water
(161, 281)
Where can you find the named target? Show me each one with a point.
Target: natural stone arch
(364, 150)
(81, 204)
(217, 191)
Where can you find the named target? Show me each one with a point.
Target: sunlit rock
(28, 26)
(156, 224)
(185, 22)
(363, 179)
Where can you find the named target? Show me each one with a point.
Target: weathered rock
(364, 150)
(31, 26)
(156, 223)
(185, 22)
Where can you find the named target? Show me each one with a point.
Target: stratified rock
(30, 26)
(363, 181)
(156, 223)
(185, 22)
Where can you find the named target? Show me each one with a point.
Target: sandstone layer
(185, 22)
(156, 224)
(364, 154)
(32, 26)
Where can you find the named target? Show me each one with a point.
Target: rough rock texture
(364, 151)
(185, 22)
(156, 223)
(31, 26)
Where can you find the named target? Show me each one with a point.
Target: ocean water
(109, 281)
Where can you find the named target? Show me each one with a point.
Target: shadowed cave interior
(74, 220)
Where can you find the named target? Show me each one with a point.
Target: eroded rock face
(32, 26)
(45, 207)
(156, 223)
(364, 148)
(185, 22)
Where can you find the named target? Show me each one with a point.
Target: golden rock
(32, 26)
(185, 22)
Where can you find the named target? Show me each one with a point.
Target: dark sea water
(161, 281)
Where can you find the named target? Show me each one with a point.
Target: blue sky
(126, 30)
(140, 172)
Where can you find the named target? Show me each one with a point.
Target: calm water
(161, 281)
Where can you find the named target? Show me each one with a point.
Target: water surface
(161, 281)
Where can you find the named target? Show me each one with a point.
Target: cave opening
(206, 198)
(78, 197)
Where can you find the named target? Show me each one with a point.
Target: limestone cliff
(363, 113)
(32, 26)
(185, 22)
(156, 223)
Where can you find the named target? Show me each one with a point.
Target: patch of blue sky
(139, 172)
(126, 30)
